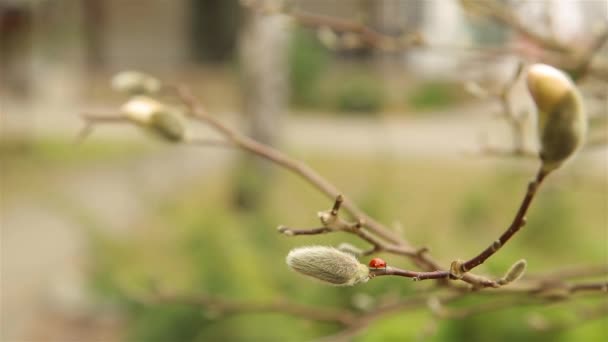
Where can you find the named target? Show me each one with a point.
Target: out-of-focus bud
(537, 322)
(562, 122)
(327, 37)
(475, 89)
(328, 264)
(363, 301)
(350, 40)
(155, 117)
(350, 249)
(135, 83)
(515, 272)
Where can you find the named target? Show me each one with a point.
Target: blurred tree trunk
(94, 21)
(214, 29)
(393, 17)
(263, 62)
(15, 47)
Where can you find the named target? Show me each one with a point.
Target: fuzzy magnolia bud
(155, 116)
(328, 264)
(515, 272)
(562, 122)
(135, 83)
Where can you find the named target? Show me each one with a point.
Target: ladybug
(377, 263)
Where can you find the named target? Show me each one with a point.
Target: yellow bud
(328, 264)
(135, 83)
(562, 122)
(155, 116)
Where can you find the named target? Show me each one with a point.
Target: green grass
(64, 152)
(28, 164)
(433, 96)
(308, 60)
(196, 242)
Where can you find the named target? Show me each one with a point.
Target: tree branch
(416, 276)
(386, 240)
(296, 166)
(518, 222)
(224, 306)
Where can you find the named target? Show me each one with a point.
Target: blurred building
(50, 47)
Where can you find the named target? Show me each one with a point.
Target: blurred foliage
(359, 94)
(313, 84)
(486, 31)
(27, 163)
(432, 95)
(194, 242)
(58, 151)
(308, 60)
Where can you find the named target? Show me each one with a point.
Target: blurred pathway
(44, 239)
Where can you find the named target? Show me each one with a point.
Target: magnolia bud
(562, 122)
(328, 264)
(155, 116)
(135, 83)
(515, 272)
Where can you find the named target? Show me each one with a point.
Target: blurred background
(88, 229)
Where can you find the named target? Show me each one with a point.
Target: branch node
(422, 250)
(359, 223)
(285, 231)
(457, 269)
(337, 205)
(496, 245)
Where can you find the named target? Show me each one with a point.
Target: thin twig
(295, 232)
(93, 119)
(504, 15)
(332, 222)
(572, 272)
(416, 276)
(584, 67)
(367, 36)
(106, 117)
(207, 142)
(568, 56)
(518, 222)
(515, 121)
(393, 244)
(296, 166)
(593, 287)
(224, 306)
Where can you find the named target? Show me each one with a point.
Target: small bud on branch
(135, 83)
(155, 116)
(515, 272)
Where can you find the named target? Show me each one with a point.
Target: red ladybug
(377, 263)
